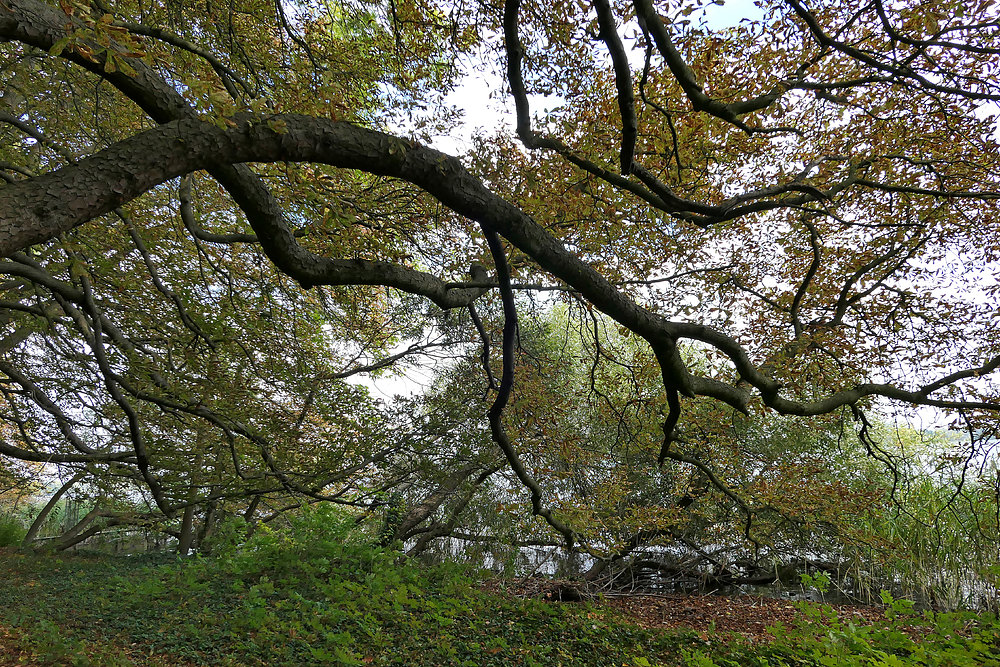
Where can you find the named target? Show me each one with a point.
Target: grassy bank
(356, 609)
(315, 596)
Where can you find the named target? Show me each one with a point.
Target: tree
(212, 214)
(795, 493)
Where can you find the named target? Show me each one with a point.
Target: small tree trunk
(186, 538)
(70, 537)
(36, 525)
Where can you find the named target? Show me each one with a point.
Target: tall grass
(937, 543)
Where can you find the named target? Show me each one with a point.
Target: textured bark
(38, 209)
(72, 536)
(40, 25)
(36, 525)
(186, 535)
(432, 501)
(67, 541)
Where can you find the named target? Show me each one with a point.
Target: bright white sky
(487, 105)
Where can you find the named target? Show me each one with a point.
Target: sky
(487, 106)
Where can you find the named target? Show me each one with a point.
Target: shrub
(11, 531)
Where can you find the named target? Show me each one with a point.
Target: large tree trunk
(207, 525)
(187, 534)
(187, 531)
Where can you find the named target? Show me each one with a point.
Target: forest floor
(748, 616)
(10, 651)
(367, 607)
(745, 616)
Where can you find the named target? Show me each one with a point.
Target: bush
(820, 638)
(11, 531)
(309, 541)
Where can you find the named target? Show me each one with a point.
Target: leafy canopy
(214, 213)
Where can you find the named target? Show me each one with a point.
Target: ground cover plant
(317, 593)
(311, 598)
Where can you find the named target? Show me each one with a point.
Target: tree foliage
(715, 252)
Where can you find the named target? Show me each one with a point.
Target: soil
(746, 615)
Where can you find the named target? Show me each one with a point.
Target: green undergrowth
(315, 593)
(11, 531)
(820, 638)
(310, 594)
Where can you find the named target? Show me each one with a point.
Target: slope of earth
(357, 605)
(747, 615)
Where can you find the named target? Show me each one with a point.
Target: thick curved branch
(35, 210)
(15, 452)
(650, 21)
(40, 208)
(623, 82)
(40, 25)
(495, 413)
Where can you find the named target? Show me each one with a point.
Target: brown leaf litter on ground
(746, 615)
(11, 653)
